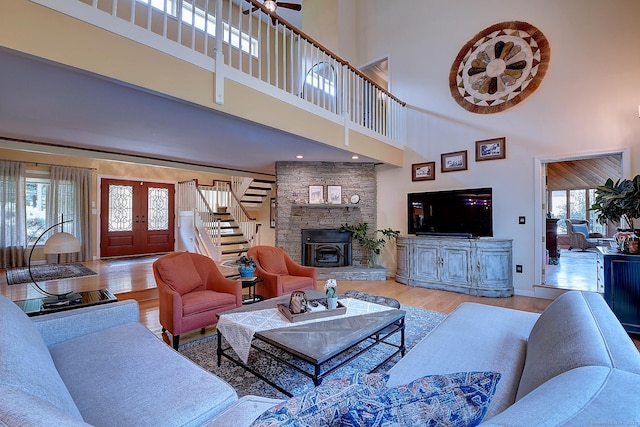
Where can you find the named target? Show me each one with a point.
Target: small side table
(33, 307)
(250, 283)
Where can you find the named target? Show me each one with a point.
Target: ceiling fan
(272, 5)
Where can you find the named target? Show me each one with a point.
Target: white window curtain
(12, 207)
(70, 197)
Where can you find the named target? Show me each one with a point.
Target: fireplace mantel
(325, 206)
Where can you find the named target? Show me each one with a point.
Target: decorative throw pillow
(325, 404)
(272, 260)
(460, 399)
(581, 228)
(180, 273)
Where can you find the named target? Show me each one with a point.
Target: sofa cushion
(272, 260)
(180, 273)
(244, 411)
(18, 408)
(590, 395)
(463, 343)
(25, 361)
(577, 329)
(323, 405)
(460, 399)
(127, 374)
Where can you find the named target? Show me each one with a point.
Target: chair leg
(176, 341)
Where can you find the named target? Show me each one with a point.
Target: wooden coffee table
(318, 344)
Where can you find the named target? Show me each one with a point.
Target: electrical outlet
(518, 268)
(521, 220)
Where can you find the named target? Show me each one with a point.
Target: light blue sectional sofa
(99, 366)
(572, 365)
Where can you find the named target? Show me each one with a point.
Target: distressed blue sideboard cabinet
(619, 277)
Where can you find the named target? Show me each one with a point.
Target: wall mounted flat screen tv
(463, 213)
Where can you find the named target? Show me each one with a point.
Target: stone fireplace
(294, 213)
(326, 248)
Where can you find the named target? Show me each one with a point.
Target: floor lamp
(59, 243)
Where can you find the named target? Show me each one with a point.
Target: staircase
(256, 193)
(215, 219)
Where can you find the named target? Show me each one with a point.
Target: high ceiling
(49, 103)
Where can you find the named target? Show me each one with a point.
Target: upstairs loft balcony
(252, 66)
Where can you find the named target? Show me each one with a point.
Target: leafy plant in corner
(371, 243)
(245, 261)
(618, 200)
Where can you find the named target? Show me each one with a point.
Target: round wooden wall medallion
(499, 67)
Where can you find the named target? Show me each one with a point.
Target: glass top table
(320, 342)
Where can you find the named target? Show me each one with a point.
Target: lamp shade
(61, 243)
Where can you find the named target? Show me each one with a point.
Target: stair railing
(245, 221)
(261, 50)
(207, 228)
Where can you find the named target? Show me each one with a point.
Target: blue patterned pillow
(460, 399)
(581, 228)
(323, 405)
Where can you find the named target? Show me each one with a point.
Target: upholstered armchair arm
(296, 269)
(222, 284)
(272, 285)
(170, 298)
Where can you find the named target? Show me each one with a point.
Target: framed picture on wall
(491, 149)
(454, 161)
(334, 194)
(423, 171)
(272, 213)
(316, 194)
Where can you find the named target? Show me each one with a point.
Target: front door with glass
(136, 217)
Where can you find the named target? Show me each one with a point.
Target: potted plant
(370, 242)
(616, 200)
(246, 266)
(330, 288)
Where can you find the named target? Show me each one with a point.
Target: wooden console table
(33, 307)
(552, 240)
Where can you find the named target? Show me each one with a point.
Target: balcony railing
(259, 49)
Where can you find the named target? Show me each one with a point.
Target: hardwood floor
(133, 279)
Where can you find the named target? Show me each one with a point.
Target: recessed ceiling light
(355, 157)
(299, 156)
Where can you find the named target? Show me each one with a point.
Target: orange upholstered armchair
(282, 275)
(191, 292)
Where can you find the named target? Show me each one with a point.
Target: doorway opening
(567, 191)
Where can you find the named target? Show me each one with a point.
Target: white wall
(587, 102)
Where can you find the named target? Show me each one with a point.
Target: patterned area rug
(203, 352)
(43, 273)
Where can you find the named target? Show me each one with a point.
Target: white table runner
(239, 328)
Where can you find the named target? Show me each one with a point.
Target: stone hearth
(351, 272)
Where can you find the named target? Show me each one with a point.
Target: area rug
(42, 273)
(418, 323)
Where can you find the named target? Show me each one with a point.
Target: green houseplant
(371, 243)
(616, 200)
(620, 199)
